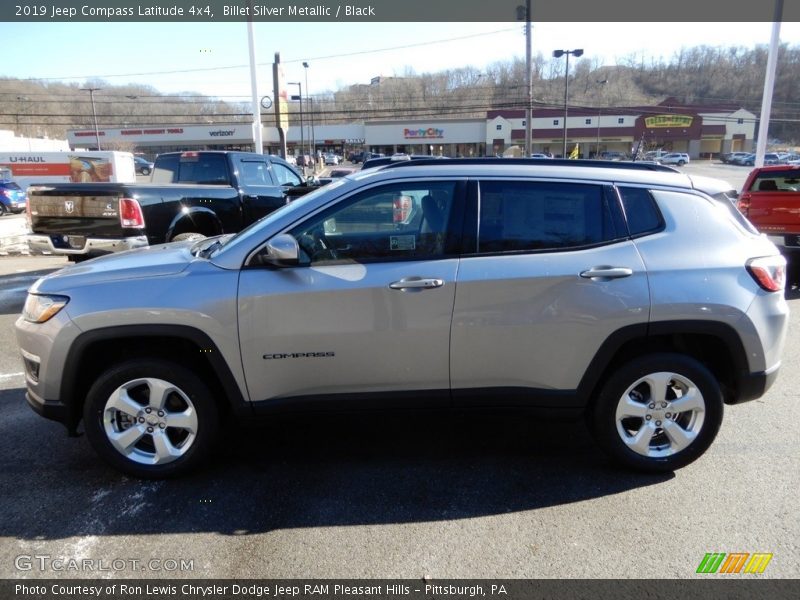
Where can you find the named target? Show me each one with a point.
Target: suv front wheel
(658, 412)
(150, 419)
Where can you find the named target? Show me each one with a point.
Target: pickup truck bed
(89, 219)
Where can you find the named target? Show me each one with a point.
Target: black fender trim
(748, 386)
(191, 211)
(238, 403)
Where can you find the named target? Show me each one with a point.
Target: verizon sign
(182, 134)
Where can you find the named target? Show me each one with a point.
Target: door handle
(416, 284)
(606, 273)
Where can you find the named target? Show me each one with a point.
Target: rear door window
(519, 216)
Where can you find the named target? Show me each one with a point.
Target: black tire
(681, 163)
(189, 235)
(145, 171)
(190, 443)
(661, 453)
(3, 210)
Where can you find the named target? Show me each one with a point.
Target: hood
(154, 261)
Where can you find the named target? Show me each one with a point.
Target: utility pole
(94, 113)
(525, 12)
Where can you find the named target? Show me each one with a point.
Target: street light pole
(94, 113)
(558, 54)
(528, 82)
(597, 147)
(300, 98)
(309, 103)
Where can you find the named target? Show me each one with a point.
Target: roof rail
(568, 162)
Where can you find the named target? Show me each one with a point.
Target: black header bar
(402, 11)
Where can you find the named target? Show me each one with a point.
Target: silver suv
(614, 291)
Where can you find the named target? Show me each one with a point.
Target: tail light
(744, 204)
(130, 213)
(401, 209)
(769, 272)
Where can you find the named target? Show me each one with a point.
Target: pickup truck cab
(192, 195)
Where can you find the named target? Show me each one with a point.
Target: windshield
(298, 206)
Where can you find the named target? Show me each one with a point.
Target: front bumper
(57, 244)
(44, 348)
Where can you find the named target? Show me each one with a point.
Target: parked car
(341, 172)
(655, 155)
(13, 198)
(331, 159)
(612, 155)
(744, 160)
(336, 174)
(770, 198)
(541, 155)
(731, 157)
(675, 158)
(360, 157)
(578, 290)
(142, 165)
(304, 160)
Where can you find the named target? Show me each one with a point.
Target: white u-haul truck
(27, 168)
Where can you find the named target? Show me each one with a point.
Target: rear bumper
(55, 244)
(754, 385)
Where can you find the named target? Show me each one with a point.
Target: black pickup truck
(191, 195)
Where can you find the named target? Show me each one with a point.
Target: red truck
(770, 198)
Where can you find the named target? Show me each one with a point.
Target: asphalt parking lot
(404, 495)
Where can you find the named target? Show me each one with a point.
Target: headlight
(39, 309)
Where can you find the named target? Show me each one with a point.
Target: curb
(15, 245)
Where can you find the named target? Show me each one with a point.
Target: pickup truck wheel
(150, 419)
(188, 236)
(3, 209)
(658, 413)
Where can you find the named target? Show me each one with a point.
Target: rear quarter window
(641, 211)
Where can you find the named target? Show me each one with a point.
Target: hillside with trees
(699, 75)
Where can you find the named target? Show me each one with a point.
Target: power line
(308, 59)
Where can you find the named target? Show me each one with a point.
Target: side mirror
(312, 181)
(282, 251)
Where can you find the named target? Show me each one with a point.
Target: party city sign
(429, 133)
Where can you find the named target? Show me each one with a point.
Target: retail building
(703, 131)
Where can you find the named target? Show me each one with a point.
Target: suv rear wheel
(151, 419)
(658, 412)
